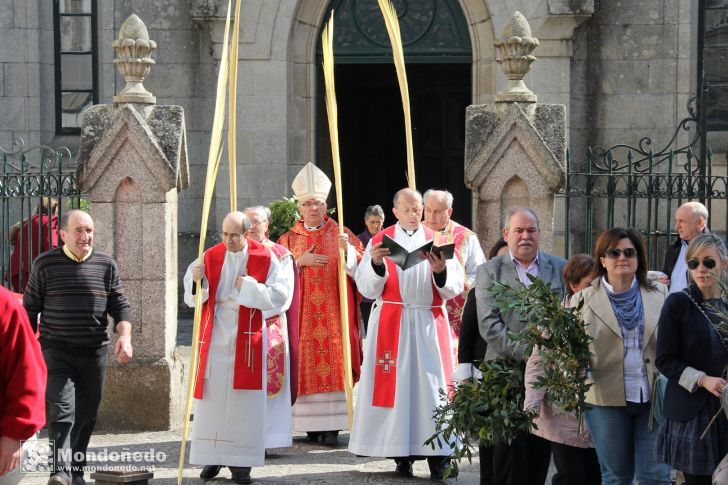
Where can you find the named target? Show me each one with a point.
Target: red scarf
(390, 317)
(244, 376)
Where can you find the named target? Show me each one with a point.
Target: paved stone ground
(303, 463)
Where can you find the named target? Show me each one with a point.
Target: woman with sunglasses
(692, 353)
(621, 308)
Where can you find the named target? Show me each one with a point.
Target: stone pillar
(515, 150)
(132, 163)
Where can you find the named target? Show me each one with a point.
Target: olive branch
(492, 408)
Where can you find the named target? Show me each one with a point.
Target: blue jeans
(624, 445)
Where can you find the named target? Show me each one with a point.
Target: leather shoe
(404, 468)
(59, 478)
(241, 474)
(210, 471)
(331, 438)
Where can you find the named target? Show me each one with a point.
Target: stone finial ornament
(515, 46)
(133, 50)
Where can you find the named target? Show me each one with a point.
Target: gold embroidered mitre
(311, 183)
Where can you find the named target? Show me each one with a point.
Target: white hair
(262, 209)
(444, 194)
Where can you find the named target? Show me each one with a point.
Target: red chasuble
(320, 366)
(244, 376)
(390, 318)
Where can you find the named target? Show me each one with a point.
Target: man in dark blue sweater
(74, 288)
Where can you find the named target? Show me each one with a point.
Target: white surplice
(403, 429)
(229, 424)
(472, 258)
(278, 432)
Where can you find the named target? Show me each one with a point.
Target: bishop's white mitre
(311, 183)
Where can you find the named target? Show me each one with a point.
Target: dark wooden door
(372, 137)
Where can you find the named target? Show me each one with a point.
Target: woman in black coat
(692, 352)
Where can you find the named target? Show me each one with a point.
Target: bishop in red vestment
(320, 408)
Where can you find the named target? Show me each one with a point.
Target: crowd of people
(271, 339)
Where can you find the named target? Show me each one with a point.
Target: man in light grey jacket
(526, 460)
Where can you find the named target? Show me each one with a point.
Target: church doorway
(371, 124)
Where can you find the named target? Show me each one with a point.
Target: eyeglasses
(709, 263)
(616, 253)
(312, 203)
(227, 235)
(410, 210)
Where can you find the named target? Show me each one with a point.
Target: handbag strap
(723, 339)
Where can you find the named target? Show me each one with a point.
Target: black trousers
(73, 395)
(486, 464)
(434, 462)
(524, 462)
(575, 466)
(366, 308)
(697, 479)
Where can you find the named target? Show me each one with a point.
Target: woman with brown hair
(621, 308)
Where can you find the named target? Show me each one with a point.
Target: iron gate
(641, 187)
(36, 186)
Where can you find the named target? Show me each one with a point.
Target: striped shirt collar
(73, 256)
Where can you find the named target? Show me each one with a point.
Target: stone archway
(307, 19)
(305, 28)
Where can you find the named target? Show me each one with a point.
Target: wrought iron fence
(640, 187)
(36, 186)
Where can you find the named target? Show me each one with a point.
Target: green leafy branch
(559, 333)
(490, 408)
(285, 215)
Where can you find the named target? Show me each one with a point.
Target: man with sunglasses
(526, 459)
(239, 279)
(691, 219)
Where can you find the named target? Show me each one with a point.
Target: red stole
(250, 321)
(457, 233)
(292, 317)
(390, 318)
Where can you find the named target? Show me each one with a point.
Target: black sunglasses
(707, 262)
(616, 253)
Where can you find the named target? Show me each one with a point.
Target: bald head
(77, 232)
(407, 192)
(690, 220)
(73, 215)
(408, 208)
(234, 231)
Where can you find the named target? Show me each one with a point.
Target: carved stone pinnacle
(133, 60)
(515, 46)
